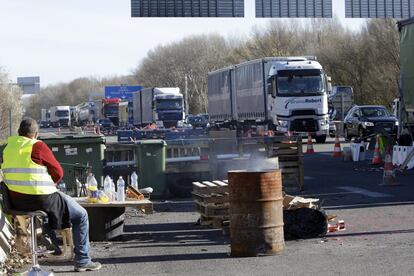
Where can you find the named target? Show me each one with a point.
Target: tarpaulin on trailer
(407, 62)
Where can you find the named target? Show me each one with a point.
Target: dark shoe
(57, 252)
(91, 266)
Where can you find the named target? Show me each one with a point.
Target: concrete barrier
(399, 155)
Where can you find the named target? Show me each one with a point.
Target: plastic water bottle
(92, 186)
(91, 180)
(134, 180)
(121, 189)
(113, 193)
(107, 186)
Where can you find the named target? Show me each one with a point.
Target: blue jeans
(80, 230)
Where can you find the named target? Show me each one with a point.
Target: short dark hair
(28, 127)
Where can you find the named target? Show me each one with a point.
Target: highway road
(378, 239)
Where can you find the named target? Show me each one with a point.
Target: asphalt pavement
(378, 240)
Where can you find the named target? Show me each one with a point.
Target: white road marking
(327, 194)
(363, 192)
(362, 205)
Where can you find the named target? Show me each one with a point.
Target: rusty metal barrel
(256, 213)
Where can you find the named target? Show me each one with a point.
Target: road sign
(379, 8)
(29, 85)
(294, 8)
(187, 8)
(121, 91)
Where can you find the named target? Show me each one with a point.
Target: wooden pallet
(211, 187)
(214, 222)
(212, 210)
(290, 155)
(211, 198)
(212, 202)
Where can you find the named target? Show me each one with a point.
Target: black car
(104, 123)
(44, 124)
(197, 121)
(364, 120)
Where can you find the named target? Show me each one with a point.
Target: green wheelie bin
(151, 166)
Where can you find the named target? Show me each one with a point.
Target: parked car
(197, 121)
(104, 123)
(364, 120)
(204, 115)
(44, 124)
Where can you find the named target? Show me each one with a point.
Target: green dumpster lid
(73, 139)
(151, 142)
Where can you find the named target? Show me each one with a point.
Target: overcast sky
(63, 40)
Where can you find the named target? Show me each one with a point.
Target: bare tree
(10, 106)
(191, 58)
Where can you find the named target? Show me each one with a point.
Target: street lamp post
(10, 122)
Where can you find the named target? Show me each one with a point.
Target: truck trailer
(44, 118)
(286, 94)
(161, 105)
(405, 104)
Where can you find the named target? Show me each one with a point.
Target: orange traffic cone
(337, 148)
(388, 178)
(377, 156)
(309, 148)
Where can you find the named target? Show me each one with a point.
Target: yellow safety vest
(20, 173)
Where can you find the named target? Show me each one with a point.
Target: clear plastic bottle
(107, 186)
(91, 180)
(92, 186)
(121, 189)
(113, 193)
(134, 180)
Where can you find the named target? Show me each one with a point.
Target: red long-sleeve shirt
(42, 155)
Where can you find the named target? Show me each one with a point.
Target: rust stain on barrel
(256, 213)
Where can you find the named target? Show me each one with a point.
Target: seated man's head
(28, 128)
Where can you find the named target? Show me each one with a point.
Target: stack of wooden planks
(290, 154)
(212, 202)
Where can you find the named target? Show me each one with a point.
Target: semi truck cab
(298, 97)
(60, 115)
(168, 108)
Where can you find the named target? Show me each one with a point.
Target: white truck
(286, 94)
(60, 116)
(161, 105)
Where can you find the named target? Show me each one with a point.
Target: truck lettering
(301, 101)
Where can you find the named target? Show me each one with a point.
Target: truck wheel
(320, 139)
